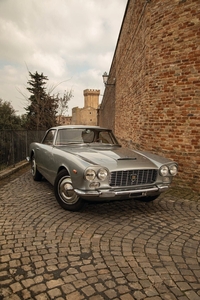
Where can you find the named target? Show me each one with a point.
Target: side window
(105, 137)
(48, 140)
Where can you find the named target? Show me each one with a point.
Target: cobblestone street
(120, 250)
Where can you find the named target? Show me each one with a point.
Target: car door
(45, 158)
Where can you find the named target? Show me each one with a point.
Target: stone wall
(155, 103)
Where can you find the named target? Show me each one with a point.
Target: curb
(13, 169)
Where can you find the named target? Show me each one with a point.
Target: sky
(72, 42)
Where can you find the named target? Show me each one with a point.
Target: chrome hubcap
(66, 191)
(33, 167)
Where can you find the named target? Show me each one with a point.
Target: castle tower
(91, 98)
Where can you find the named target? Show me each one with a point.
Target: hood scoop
(127, 158)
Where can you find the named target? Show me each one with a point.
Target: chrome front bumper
(121, 193)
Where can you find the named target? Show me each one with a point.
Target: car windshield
(85, 136)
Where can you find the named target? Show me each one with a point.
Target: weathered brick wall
(156, 98)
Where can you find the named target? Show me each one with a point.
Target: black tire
(37, 176)
(64, 192)
(148, 199)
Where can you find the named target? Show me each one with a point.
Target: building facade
(64, 120)
(155, 102)
(88, 114)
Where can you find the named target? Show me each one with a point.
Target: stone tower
(88, 114)
(91, 98)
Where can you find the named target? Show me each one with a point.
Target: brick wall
(155, 103)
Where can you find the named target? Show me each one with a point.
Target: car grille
(132, 177)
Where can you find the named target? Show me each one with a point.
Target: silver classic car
(87, 163)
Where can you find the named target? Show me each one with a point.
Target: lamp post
(105, 79)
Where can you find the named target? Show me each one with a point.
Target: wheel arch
(64, 191)
(63, 168)
(32, 153)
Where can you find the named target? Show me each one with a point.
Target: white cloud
(51, 62)
(69, 41)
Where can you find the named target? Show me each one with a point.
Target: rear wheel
(37, 176)
(65, 194)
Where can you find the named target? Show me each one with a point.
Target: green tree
(8, 118)
(41, 112)
(23, 121)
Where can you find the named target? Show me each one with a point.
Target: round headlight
(90, 174)
(173, 170)
(102, 174)
(164, 171)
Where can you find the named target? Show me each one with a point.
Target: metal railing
(14, 145)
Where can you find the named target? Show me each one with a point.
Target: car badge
(133, 177)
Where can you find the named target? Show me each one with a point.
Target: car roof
(78, 126)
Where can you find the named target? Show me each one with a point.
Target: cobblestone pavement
(120, 250)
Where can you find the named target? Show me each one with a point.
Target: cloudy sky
(72, 42)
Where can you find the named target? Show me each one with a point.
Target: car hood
(116, 157)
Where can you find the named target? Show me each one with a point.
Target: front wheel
(64, 192)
